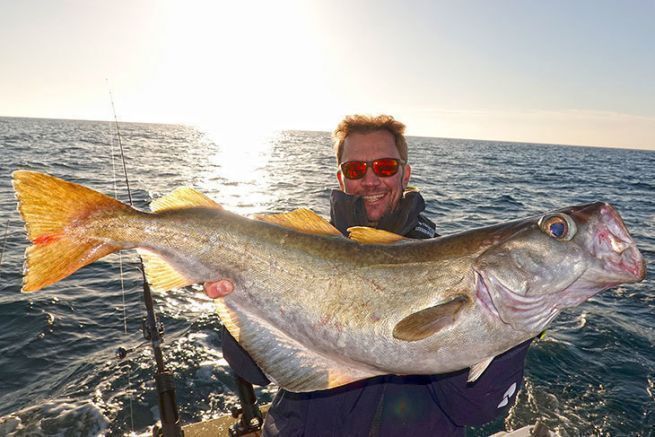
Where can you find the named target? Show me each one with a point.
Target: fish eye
(558, 226)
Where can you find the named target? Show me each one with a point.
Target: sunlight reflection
(237, 174)
(241, 157)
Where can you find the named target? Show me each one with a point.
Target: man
(373, 174)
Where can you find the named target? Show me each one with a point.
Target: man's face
(380, 194)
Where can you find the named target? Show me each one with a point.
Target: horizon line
(193, 125)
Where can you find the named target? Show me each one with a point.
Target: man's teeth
(373, 197)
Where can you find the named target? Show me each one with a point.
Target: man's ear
(340, 179)
(407, 172)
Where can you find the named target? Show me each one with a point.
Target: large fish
(316, 310)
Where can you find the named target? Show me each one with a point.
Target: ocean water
(593, 374)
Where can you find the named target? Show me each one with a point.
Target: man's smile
(372, 198)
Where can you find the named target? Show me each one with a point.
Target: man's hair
(364, 124)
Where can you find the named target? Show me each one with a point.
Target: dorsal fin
(183, 197)
(303, 220)
(429, 321)
(366, 235)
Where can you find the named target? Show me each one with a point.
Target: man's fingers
(219, 288)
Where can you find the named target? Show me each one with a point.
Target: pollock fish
(316, 310)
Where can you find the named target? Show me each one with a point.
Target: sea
(60, 370)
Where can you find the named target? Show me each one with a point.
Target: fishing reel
(147, 332)
(245, 425)
(250, 418)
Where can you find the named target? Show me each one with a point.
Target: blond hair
(364, 124)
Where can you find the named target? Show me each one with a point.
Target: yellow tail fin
(52, 209)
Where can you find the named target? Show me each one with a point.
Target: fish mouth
(525, 313)
(613, 245)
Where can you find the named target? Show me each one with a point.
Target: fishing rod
(4, 241)
(153, 331)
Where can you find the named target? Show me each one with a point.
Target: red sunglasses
(383, 167)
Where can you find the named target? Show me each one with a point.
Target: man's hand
(219, 288)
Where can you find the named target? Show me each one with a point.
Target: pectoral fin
(303, 220)
(478, 369)
(429, 321)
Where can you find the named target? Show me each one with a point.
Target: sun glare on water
(241, 73)
(237, 174)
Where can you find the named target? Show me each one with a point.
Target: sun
(224, 64)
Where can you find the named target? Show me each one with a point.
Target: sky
(578, 72)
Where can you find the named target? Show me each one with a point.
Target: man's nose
(370, 178)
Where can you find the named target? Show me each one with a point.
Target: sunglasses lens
(354, 169)
(385, 167)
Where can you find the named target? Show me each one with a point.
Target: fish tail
(53, 210)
